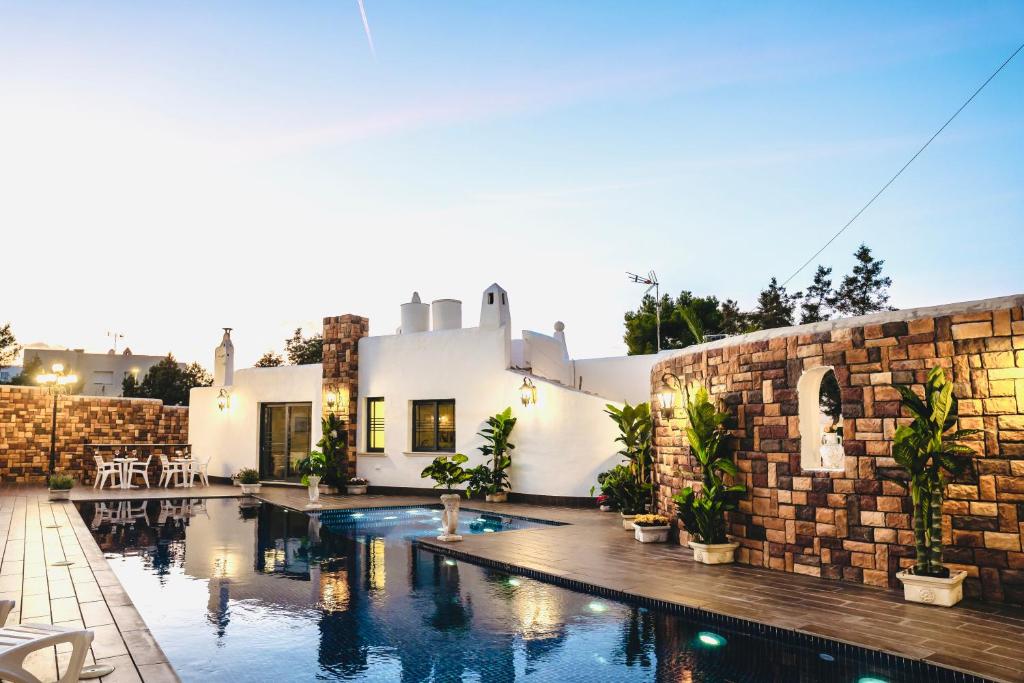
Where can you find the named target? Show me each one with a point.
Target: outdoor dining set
(126, 464)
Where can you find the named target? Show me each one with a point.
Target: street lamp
(56, 382)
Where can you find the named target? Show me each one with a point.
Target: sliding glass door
(284, 439)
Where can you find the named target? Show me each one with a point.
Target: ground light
(710, 639)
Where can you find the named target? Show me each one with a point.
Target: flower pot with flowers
(651, 528)
(356, 486)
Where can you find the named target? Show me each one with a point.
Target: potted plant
(448, 473)
(626, 493)
(929, 454)
(703, 511)
(651, 528)
(334, 445)
(492, 479)
(628, 485)
(312, 468)
(356, 486)
(604, 503)
(60, 486)
(249, 480)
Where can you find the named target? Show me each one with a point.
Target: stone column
(341, 373)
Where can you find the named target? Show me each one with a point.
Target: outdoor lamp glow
(57, 367)
(527, 392)
(332, 400)
(667, 399)
(223, 400)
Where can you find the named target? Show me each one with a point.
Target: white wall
(620, 378)
(562, 442)
(231, 437)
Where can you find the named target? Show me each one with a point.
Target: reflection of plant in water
(449, 612)
(638, 637)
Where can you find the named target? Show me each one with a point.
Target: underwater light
(514, 582)
(488, 531)
(826, 657)
(357, 515)
(871, 679)
(597, 607)
(711, 639)
(450, 562)
(391, 517)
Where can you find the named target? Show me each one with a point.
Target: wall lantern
(667, 393)
(332, 400)
(527, 392)
(223, 400)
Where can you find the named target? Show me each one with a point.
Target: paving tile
(158, 673)
(124, 669)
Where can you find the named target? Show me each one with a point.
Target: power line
(900, 172)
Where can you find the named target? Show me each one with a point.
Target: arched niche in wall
(821, 422)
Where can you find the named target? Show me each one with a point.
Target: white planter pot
(450, 518)
(715, 553)
(249, 489)
(605, 508)
(651, 534)
(833, 455)
(497, 497)
(627, 521)
(358, 490)
(932, 590)
(60, 494)
(314, 491)
(328, 490)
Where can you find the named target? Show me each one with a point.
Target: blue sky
(169, 169)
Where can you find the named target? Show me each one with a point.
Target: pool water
(247, 591)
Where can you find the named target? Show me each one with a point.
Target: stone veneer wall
(851, 525)
(341, 372)
(25, 418)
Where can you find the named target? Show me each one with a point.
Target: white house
(427, 390)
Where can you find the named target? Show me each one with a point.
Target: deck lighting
(56, 382)
(223, 400)
(711, 639)
(527, 392)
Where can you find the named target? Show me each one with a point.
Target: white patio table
(125, 463)
(187, 473)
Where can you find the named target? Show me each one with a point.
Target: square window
(433, 425)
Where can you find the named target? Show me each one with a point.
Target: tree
(684, 322)
(168, 382)
(734, 321)
(197, 376)
(33, 366)
(865, 290)
(9, 348)
(304, 350)
(270, 359)
(130, 386)
(774, 307)
(816, 304)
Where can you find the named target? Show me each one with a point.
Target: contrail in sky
(366, 27)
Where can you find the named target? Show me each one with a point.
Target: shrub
(61, 481)
(248, 476)
(446, 471)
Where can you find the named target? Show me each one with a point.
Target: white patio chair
(104, 470)
(19, 641)
(168, 470)
(201, 469)
(141, 469)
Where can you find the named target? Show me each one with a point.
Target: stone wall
(852, 525)
(25, 418)
(341, 372)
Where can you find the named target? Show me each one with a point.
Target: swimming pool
(248, 591)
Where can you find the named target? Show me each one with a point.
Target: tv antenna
(651, 280)
(116, 336)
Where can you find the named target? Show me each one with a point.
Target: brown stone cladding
(341, 372)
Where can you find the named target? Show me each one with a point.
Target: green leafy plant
(624, 492)
(447, 471)
(493, 477)
(248, 476)
(628, 486)
(929, 454)
(703, 512)
(313, 465)
(334, 445)
(61, 482)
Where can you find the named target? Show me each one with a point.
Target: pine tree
(774, 307)
(304, 351)
(270, 359)
(734, 321)
(865, 290)
(9, 347)
(815, 305)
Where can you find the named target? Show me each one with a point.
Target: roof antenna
(651, 280)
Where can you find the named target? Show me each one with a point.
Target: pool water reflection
(249, 591)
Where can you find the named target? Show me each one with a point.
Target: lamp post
(56, 382)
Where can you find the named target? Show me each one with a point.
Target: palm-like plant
(930, 456)
(703, 512)
(334, 444)
(447, 471)
(497, 446)
(635, 436)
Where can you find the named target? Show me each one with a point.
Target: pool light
(391, 517)
(357, 515)
(710, 639)
(597, 607)
(825, 657)
(514, 582)
(488, 531)
(871, 679)
(450, 562)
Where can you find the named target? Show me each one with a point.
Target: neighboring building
(100, 374)
(424, 391)
(9, 372)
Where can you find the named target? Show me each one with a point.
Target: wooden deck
(591, 549)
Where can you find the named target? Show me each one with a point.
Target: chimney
(415, 316)
(224, 361)
(446, 314)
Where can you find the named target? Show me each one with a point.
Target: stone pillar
(341, 373)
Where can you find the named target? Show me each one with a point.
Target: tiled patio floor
(593, 549)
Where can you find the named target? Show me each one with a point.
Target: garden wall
(850, 525)
(25, 418)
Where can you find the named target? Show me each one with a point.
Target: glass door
(284, 439)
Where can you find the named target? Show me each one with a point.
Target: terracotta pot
(714, 553)
(627, 521)
(450, 518)
(357, 490)
(497, 497)
(651, 534)
(932, 590)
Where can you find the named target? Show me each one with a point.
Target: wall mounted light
(332, 400)
(527, 392)
(223, 400)
(667, 393)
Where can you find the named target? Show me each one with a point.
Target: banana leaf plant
(497, 447)
(447, 471)
(703, 511)
(635, 429)
(930, 455)
(333, 444)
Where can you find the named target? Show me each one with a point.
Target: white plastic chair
(202, 469)
(141, 469)
(168, 469)
(104, 470)
(19, 641)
